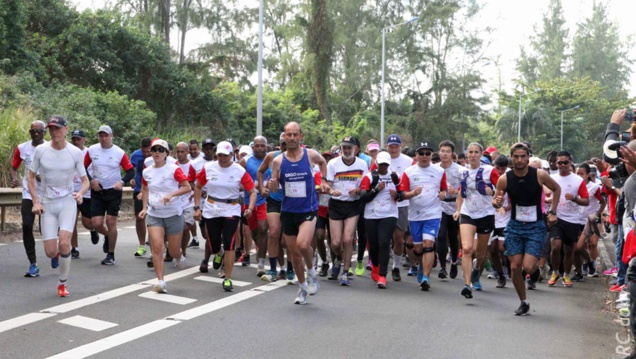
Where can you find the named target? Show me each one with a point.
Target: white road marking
(116, 340)
(214, 306)
(23, 320)
(64, 308)
(167, 298)
(95, 325)
(173, 276)
(237, 283)
(3, 244)
(130, 227)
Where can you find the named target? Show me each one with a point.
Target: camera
(629, 115)
(618, 175)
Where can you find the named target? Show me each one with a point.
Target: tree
(320, 36)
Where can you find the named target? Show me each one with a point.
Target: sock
(261, 262)
(290, 267)
(311, 271)
(65, 266)
(194, 238)
(397, 261)
(534, 277)
(525, 302)
(273, 261)
(303, 285)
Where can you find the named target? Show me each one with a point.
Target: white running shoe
(160, 287)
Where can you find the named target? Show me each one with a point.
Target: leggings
(221, 230)
(28, 218)
(362, 236)
(448, 235)
(380, 233)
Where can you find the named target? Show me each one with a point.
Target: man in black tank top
(526, 230)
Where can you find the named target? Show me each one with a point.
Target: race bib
(56, 191)
(323, 200)
(295, 190)
(526, 213)
(155, 199)
(382, 206)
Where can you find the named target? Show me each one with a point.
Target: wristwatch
(552, 212)
(196, 207)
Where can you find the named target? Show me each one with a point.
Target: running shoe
(577, 277)
(291, 275)
(624, 313)
(282, 275)
(610, 271)
(359, 269)
(467, 292)
(203, 268)
(109, 260)
(181, 262)
(218, 261)
(62, 290)
(369, 265)
(141, 251)
(412, 272)
(584, 270)
(453, 271)
(474, 276)
(269, 276)
(424, 284)
(523, 309)
(501, 282)
(531, 285)
(553, 279)
(335, 270)
(260, 271)
(167, 258)
(395, 273)
(94, 237)
(55, 261)
(221, 273)
(617, 288)
(227, 285)
(477, 286)
(193, 243)
(312, 284)
(592, 272)
(375, 273)
(160, 287)
(149, 263)
(420, 274)
(442, 273)
(324, 270)
(74, 253)
(105, 245)
(567, 281)
(382, 282)
(344, 280)
(350, 272)
(301, 298)
(435, 261)
(493, 275)
(407, 262)
(34, 271)
(246, 260)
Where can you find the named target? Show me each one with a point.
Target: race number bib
(295, 189)
(526, 213)
(323, 200)
(382, 206)
(155, 199)
(56, 191)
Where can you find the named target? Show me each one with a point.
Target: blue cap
(394, 140)
(485, 160)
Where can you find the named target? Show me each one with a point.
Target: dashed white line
(167, 298)
(23, 320)
(63, 308)
(95, 325)
(237, 283)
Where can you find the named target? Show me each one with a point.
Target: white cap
(383, 157)
(224, 148)
(160, 142)
(246, 149)
(105, 128)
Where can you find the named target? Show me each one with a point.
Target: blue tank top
(278, 196)
(251, 166)
(297, 181)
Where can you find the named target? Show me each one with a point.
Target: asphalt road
(112, 313)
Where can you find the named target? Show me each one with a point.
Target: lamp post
(519, 126)
(384, 30)
(570, 109)
(259, 100)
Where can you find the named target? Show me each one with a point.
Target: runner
(78, 139)
(24, 153)
(188, 204)
(56, 163)
(162, 183)
(222, 180)
(525, 231)
(137, 159)
(322, 232)
(106, 186)
(293, 171)
(208, 148)
(496, 243)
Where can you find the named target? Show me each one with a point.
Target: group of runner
(516, 213)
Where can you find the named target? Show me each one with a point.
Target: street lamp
(570, 109)
(519, 127)
(384, 30)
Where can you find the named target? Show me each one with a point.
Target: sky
(513, 22)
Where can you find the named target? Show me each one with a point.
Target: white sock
(65, 266)
(194, 238)
(311, 271)
(303, 285)
(525, 302)
(261, 262)
(397, 260)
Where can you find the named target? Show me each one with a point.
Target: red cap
(491, 149)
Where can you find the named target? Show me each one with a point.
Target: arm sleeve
(247, 182)
(125, 163)
(17, 160)
(130, 174)
(405, 183)
(583, 191)
(443, 186)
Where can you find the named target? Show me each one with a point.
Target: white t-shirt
(57, 169)
(77, 180)
(106, 163)
(383, 205)
(398, 165)
(574, 185)
(477, 205)
(189, 172)
(427, 204)
(162, 181)
(454, 179)
(501, 220)
(24, 153)
(594, 191)
(225, 184)
(346, 177)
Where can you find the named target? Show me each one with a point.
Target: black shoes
(523, 309)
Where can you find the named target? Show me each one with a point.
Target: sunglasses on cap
(158, 149)
(563, 163)
(424, 153)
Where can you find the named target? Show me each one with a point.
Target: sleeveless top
(525, 196)
(275, 196)
(299, 189)
(251, 166)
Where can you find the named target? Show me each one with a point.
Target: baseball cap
(224, 148)
(78, 133)
(328, 154)
(246, 149)
(231, 141)
(394, 140)
(383, 158)
(373, 147)
(57, 121)
(208, 141)
(424, 144)
(105, 128)
(348, 141)
(160, 142)
(485, 160)
(491, 149)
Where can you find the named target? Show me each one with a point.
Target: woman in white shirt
(161, 184)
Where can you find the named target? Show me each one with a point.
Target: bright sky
(513, 21)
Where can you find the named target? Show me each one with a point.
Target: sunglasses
(158, 149)
(561, 163)
(424, 153)
(36, 131)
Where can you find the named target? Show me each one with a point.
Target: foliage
(14, 122)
